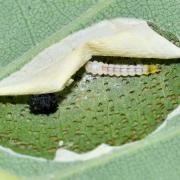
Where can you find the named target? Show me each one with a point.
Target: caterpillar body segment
(100, 68)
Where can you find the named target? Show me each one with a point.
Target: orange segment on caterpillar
(100, 68)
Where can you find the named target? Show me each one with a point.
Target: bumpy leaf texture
(127, 109)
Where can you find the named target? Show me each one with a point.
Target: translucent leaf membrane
(52, 68)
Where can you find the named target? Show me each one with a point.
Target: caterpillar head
(153, 69)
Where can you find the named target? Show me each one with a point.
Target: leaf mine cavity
(51, 70)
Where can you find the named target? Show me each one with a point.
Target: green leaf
(7, 176)
(155, 157)
(127, 109)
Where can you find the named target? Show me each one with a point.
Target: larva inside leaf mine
(100, 68)
(51, 69)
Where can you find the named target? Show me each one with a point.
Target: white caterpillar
(120, 70)
(51, 70)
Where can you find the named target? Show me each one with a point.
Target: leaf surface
(127, 109)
